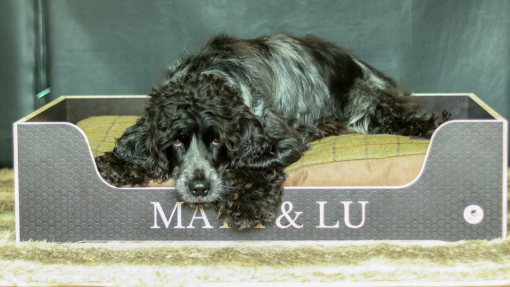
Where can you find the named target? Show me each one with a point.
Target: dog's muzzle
(196, 180)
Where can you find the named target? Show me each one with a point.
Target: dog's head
(199, 127)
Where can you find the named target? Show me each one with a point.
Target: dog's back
(308, 81)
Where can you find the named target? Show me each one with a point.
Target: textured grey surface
(62, 199)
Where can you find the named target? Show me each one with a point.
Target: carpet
(468, 263)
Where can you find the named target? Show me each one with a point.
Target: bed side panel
(61, 197)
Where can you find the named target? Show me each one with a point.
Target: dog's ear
(126, 164)
(269, 145)
(160, 156)
(134, 145)
(247, 142)
(255, 142)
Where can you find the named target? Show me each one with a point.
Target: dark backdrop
(121, 47)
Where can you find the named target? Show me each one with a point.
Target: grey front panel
(62, 199)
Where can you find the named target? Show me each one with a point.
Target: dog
(232, 116)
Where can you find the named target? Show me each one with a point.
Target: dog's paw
(119, 172)
(253, 197)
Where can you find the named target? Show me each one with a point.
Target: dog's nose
(199, 187)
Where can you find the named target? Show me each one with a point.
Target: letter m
(159, 210)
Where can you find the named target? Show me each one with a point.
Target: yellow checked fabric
(359, 147)
(102, 133)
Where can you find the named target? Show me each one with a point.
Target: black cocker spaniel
(232, 116)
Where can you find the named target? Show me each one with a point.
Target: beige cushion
(391, 171)
(346, 160)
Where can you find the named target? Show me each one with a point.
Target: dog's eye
(215, 142)
(177, 143)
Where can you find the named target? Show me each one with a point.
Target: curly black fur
(232, 116)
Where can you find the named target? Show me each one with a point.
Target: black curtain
(122, 47)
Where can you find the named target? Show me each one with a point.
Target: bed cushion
(346, 160)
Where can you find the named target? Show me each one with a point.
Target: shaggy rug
(469, 263)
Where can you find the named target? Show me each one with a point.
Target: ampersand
(286, 208)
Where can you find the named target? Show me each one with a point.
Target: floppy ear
(128, 163)
(134, 145)
(254, 141)
(247, 142)
(271, 144)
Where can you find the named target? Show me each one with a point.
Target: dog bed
(60, 196)
(346, 160)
